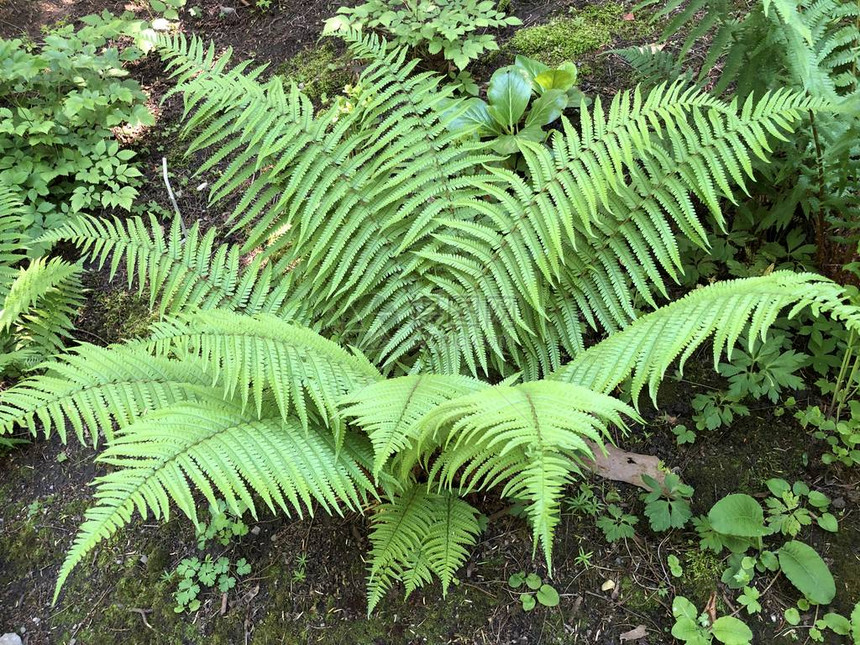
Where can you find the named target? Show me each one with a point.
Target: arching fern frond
(179, 270)
(529, 437)
(252, 356)
(40, 308)
(418, 534)
(219, 451)
(723, 310)
(91, 388)
(390, 411)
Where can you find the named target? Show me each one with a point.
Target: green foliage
(764, 370)
(841, 435)
(805, 569)
(618, 525)
(60, 102)
(418, 535)
(716, 409)
(568, 37)
(40, 297)
(510, 115)
(667, 505)
(544, 594)
(785, 513)
(195, 574)
(694, 629)
(453, 28)
(222, 526)
(391, 236)
(459, 282)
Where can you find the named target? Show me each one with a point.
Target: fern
(181, 271)
(91, 388)
(224, 454)
(414, 248)
(416, 535)
(390, 412)
(40, 300)
(724, 310)
(530, 437)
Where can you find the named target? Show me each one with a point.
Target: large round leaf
(739, 515)
(802, 565)
(731, 631)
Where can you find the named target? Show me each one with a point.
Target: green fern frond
(12, 241)
(416, 534)
(530, 437)
(90, 388)
(225, 455)
(253, 356)
(179, 270)
(723, 310)
(40, 307)
(390, 411)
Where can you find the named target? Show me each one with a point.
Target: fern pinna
(400, 263)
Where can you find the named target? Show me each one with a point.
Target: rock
(10, 639)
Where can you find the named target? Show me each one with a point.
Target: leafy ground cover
(306, 581)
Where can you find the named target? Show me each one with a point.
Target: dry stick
(172, 198)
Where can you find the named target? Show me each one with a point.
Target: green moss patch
(570, 37)
(319, 71)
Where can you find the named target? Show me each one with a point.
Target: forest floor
(307, 580)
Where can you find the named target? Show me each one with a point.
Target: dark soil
(307, 580)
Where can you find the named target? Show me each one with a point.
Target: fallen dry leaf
(634, 634)
(711, 607)
(608, 585)
(622, 466)
(628, 17)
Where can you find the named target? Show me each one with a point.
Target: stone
(10, 639)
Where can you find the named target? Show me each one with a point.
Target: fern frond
(390, 411)
(179, 270)
(90, 388)
(417, 533)
(253, 356)
(530, 437)
(41, 305)
(225, 455)
(723, 310)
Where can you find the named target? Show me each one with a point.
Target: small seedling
(540, 592)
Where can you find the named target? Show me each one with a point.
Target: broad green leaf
(547, 108)
(805, 569)
(681, 607)
(777, 486)
(828, 522)
(731, 631)
(837, 623)
(528, 601)
(792, 616)
(509, 93)
(530, 66)
(687, 630)
(533, 581)
(739, 515)
(548, 596)
(556, 79)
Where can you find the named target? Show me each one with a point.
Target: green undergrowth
(320, 71)
(570, 36)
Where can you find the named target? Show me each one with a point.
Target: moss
(702, 572)
(319, 71)
(121, 314)
(567, 38)
(638, 598)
